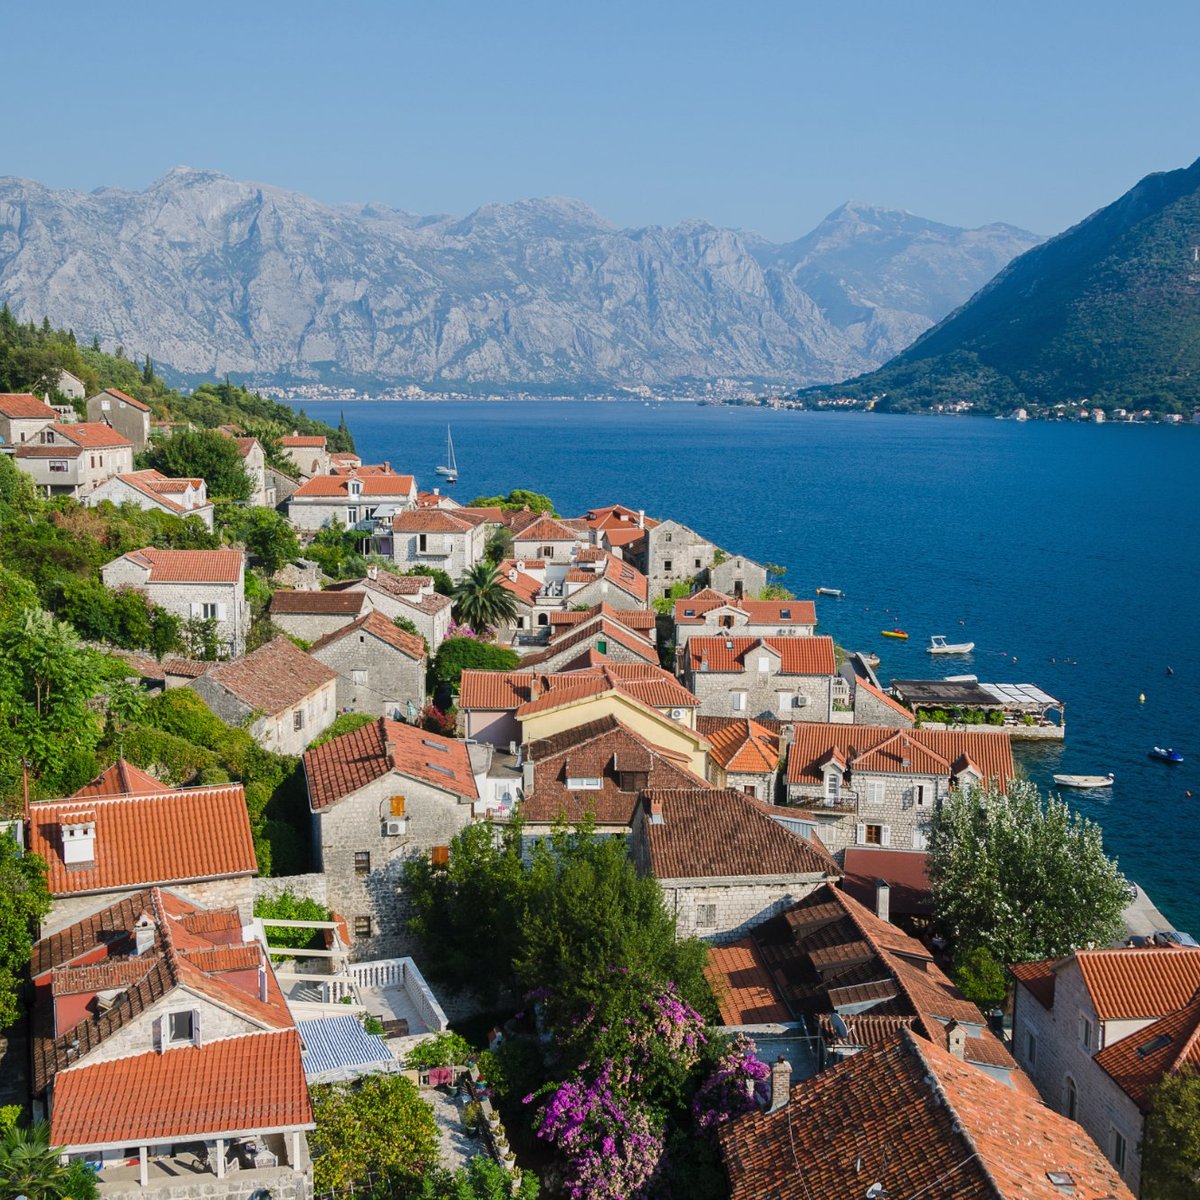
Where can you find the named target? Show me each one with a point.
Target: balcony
(845, 802)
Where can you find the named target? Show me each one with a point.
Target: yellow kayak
(893, 633)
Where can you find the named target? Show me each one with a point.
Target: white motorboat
(1084, 783)
(449, 471)
(939, 645)
(836, 593)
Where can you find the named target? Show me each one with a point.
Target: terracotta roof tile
(1129, 984)
(377, 624)
(190, 566)
(692, 610)
(912, 1117)
(547, 529)
(1038, 979)
(93, 435)
(905, 872)
(273, 677)
(186, 668)
(741, 745)
(350, 762)
(640, 620)
(253, 1082)
(524, 587)
(21, 406)
(603, 749)
(741, 986)
(431, 520)
(337, 487)
(121, 779)
(309, 603)
(302, 441)
(882, 696)
(708, 833)
(1139, 1061)
(798, 655)
(600, 629)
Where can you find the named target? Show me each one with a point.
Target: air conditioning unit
(799, 701)
(395, 827)
(678, 714)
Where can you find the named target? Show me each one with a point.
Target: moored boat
(872, 660)
(939, 645)
(1084, 782)
(1166, 754)
(894, 633)
(449, 472)
(836, 593)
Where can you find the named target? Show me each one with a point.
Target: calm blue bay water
(1069, 554)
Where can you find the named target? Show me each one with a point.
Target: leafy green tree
(31, 1167)
(482, 600)
(481, 1179)
(378, 1136)
(24, 901)
(1171, 1143)
(207, 454)
(516, 501)
(264, 533)
(665, 605)
(199, 638)
(456, 654)
(499, 544)
(447, 1049)
(1021, 876)
(287, 906)
(345, 723)
(442, 583)
(980, 977)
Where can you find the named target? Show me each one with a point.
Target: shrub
(345, 723)
(458, 653)
(447, 1049)
(287, 906)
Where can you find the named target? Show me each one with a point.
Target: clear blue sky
(763, 116)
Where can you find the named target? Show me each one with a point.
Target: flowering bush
(433, 720)
(737, 1084)
(613, 1146)
(456, 630)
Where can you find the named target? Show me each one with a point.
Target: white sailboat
(449, 472)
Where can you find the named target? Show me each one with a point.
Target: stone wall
(768, 694)
(763, 784)
(391, 680)
(675, 554)
(870, 710)
(232, 892)
(280, 1183)
(737, 576)
(303, 887)
(723, 910)
(311, 627)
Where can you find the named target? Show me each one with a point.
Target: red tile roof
(613, 570)
(93, 435)
(379, 626)
(374, 487)
(1139, 1061)
(523, 586)
(189, 566)
(741, 986)
(1129, 984)
(692, 610)
(272, 678)
(814, 741)
(431, 520)
(904, 871)
(21, 406)
(151, 837)
(598, 629)
(328, 603)
(155, 485)
(741, 745)
(302, 441)
(250, 1083)
(350, 762)
(1038, 979)
(121, 779)
(604, 749)
(640, 620)
(708, 833)
(547, 529)
(130, 400)
(798, 655)
(910, 1116)
(497, 691)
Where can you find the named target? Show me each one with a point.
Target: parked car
(1175, 937)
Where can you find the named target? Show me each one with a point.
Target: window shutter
(397, 806)
(860, 834)
(196, 609)
(196, 1026)
(156, 1033)
(885, 835)
(220, 612)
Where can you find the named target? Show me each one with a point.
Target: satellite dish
(876, 1192)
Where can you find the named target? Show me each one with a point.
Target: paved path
(455, 1146)
(1142, 918)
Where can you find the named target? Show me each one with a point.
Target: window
(633, 781)
(182, 1026)
(764, 664)
(439, 856)
(546, 552)
(1031, 1049)
(1072, 1102)
(668, 564)
(209, 613)
(362, 862)
(602, 646)
(1085, 1032)
(352, 516)
(873, 835)
(785, 701)
(422, 542)
(785, 614)
(362, 927)
(706, 916)
(93, 458)
(697, 563)
(739, 701)
(105, 405)
(584, 783)
(58, 466)
(921, 794)
(876, 790)
(298, 720)
(358, 678)
(1118, 1150)
(751, 789)
(833, 785)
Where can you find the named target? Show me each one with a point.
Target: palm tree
(30, 1166)
(481, 599)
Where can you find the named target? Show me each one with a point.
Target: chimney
(389, 749)
(143, 934)
(372, 571)
(654, 809)
(77, 831)
(436, 491)
(956, 1040)
(641, 518)
(883, 900)
(535, 688)
(781, 1084)
(512, 577)
(520, 564)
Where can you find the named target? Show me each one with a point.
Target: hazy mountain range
(1108, 311)
(210, 275)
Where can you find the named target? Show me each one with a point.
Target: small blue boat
(1167, 755)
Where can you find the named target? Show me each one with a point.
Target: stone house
(308, 454)
(621, 531)
(775, 678)
(352, 501)
(159, 1028)
(310, 615)
(193, 584)
(711, 614)
(433, 537)
(526, 589)
(151, 490)
(745, 754)
(675, 554)
(546, 538)
(127, 415)
(22, 416)
(593, 770)
(873, 706)
(602, 637)
(125, 830)
(1097, 1029)
(254, 463)
(866, 785)
(642, 621)
(737, 576)
(723, 863)
(596, 577)
(284, 697)
(965, 1135)
(380, 669)
(70, 386)
(381, 796)
(409, 596)
(72, 460)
